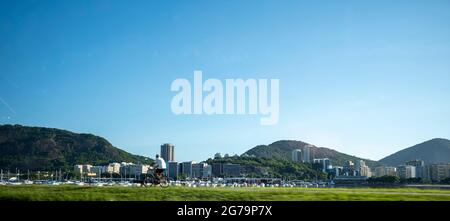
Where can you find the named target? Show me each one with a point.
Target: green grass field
(76, 193)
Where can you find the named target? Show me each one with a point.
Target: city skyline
(350, 79)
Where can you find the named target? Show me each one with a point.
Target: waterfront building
(231, 170)
(173, 169)
(406, 171)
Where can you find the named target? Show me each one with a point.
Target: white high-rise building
(363, 169)
(307, 154)
(406, 171)
(297, 155)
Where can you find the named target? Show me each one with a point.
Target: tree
(384, 180)
(445, 181)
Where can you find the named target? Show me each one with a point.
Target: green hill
(433, 151)
(38, 148)
(269, 167)
(283, 150)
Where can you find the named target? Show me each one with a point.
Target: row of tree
(394, 180)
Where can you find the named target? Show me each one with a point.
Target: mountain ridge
(436, 150)
(42, 148)
(282, 149)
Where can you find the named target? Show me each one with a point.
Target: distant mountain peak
(436, 150)
(282, 149)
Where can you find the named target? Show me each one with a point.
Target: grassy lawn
(75, 193)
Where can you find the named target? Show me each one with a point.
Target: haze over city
(350, 79)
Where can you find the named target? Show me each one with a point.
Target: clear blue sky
(366, 78)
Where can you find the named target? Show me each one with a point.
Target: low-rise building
(231, 170)
(113, 168)
(349, 169)
(420, 167)
(130, 169)
(197, 170)
(385, 171)
(207, 171)
(98, 170)
(437, 172)
(217, 169)
(78, 169)
(406, 171)
(87, 168)
(186, 168)
(82, 169)
(173, 169)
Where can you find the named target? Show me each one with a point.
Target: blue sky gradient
(366, 78)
